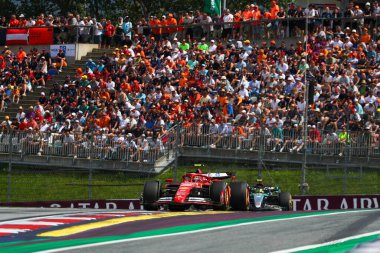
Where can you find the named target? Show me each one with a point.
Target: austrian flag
(17, 36)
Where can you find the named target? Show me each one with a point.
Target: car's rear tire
(285, 201)
(239, 200)
(151, 193)
(220, 195)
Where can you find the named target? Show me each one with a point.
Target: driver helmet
(197, 179)
(259, 182)
(198, 171)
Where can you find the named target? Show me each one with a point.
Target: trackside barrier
(300, 203)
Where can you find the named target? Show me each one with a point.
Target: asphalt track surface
(286, 231)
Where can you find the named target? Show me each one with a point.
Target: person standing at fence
(188, 20)
(127, 27)
(344, 139)
(274, 10)
(172, 31)
(22, 22)
(227, 28)
(119, 32)
(98, 31)
(13, 22)
(109, 33)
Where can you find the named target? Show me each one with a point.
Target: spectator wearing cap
(127, 26)
(172, 31)
(212, 47)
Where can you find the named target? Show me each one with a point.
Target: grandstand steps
(32, 97)
(29, 100)
(163, 162)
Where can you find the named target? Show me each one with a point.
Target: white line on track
(65, 218)
(12, 230)
(203, 230)
(31, 222)
(307, 247)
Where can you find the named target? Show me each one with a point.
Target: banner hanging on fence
(212, 7)
(40, 36)
(17, 36)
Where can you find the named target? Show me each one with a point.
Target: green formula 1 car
(269, 198)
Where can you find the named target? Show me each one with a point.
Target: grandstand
(181, 87)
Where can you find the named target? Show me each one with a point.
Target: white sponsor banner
(68, 49)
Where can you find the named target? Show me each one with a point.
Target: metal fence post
(90, 172)
(9, 181)
(178, 129)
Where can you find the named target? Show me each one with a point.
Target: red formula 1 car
(199, 190)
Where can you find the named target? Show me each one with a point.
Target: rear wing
(219, 175)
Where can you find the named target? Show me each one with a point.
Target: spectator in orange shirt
(247, 15)
(171, 21)
(275, 9)
(261, 57)
(236, 27)
(366, 38)
(256, 15)
(103, 121)
(21, 54)
(155, 23)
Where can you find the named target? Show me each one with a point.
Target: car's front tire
(151, 193)
(239, 196)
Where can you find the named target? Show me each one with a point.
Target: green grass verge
(30, 184)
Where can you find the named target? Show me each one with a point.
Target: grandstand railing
(360, 144)
(252, 29)
(87, 146)
(149, 150)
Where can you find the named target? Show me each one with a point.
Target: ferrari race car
(269, 198)
(198, 190)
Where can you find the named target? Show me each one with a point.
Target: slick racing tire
(285, 201)
(239, 196)
(220, 195)
(151, 194)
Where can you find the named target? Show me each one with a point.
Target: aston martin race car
(269, 198)
(198, 190)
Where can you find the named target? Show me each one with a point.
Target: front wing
(188, 201)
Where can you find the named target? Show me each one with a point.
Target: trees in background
(114, 8)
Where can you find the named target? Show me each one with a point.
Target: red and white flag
(17, 36)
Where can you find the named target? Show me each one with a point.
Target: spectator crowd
(159, 77)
